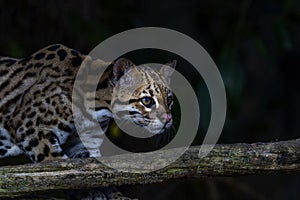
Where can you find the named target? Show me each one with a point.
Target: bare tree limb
(224, 160)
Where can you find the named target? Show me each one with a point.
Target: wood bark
(224, 160)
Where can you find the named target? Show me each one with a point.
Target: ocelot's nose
(166, 117)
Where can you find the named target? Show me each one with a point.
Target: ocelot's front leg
(86, 144)
(46, 139)
(47, 142)
(40, 138)
(92, 140)
(41, 144)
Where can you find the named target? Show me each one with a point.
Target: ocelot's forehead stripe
(156, 87)
(151, 93)
(146, 77)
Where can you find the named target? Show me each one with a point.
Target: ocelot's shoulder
(58, 53)
(60, 49)
(55, 53)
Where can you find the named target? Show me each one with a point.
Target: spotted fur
(36, 116)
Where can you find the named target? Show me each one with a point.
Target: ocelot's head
(143, 95)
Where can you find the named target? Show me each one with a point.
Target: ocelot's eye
(147, 101)
(169, 100)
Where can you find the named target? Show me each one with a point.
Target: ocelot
(37, 110)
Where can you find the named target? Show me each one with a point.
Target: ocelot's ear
(167, 70)
(120, 67)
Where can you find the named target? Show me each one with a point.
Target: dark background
(255, 44)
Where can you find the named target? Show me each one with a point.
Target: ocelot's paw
(76, 151)
(80, 154)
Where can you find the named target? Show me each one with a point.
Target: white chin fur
(155, 128)
(158, 127)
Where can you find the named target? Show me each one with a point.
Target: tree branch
(223, 160)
